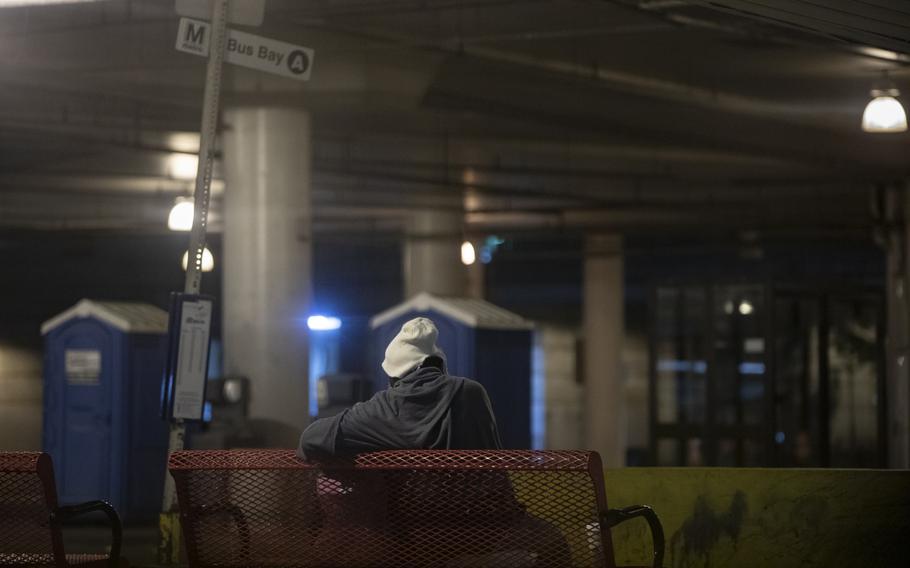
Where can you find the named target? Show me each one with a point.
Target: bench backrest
(27, 498)
(393, 508)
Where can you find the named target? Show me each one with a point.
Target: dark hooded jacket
(425, 409)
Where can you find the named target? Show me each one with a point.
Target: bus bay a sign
(248, 50)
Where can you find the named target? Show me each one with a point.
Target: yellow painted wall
(719, 517)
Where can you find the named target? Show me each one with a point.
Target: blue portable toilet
(483, 342)
(103, 363)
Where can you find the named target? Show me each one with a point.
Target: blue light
(323, 323)
(490, 244)
(675, 366)
(538, 397)
(752, 368)
(780, 437)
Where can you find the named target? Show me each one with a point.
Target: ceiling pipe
(362, 186)
(643, 220)
(651, 86)
(89, 183)
(338, 148)
(614, 79)
(561, 147)
(770, 19)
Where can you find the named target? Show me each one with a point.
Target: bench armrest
(65, 512)
(613, 517)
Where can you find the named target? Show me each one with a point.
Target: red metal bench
(30, 519)
(398, 508)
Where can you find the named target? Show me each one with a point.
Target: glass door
(679, 368)
(709, 374)
(855, 393)
(797, 385)
(740, 374)
(743, 376)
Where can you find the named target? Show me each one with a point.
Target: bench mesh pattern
(391, 509)
(25, 534)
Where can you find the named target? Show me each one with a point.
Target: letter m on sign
(193, 36)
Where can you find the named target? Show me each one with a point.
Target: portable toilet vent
(103, 363)
(482, 342)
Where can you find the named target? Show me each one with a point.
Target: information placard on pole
(192, 357)
(188, 355)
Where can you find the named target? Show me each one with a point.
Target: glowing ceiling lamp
(468, 255)
(208, 261)
(181, 215)
(746, 308)
(884, 113)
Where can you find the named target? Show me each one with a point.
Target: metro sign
(248, 50)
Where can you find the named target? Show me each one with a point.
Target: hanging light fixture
(468, 255)
(208, 261)
(181, 215)
(884, 113)
(746, 308)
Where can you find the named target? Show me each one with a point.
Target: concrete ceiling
(638, 116)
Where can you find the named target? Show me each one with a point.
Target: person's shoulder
(472, 388)
(379, 398)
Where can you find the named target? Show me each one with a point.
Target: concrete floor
(140, 542)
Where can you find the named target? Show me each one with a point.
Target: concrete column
(432, 254)
(603, 339)
(897, 345)
(267, 274)
(563, 397)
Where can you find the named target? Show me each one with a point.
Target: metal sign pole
(168, 551)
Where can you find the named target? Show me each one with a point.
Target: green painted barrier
(781, 518)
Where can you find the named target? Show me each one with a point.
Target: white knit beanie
(414, 343)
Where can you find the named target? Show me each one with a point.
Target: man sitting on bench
(423, 408)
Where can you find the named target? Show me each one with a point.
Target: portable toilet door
(79, 397)
(86, 381)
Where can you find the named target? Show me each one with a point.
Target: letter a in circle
(298, 62)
